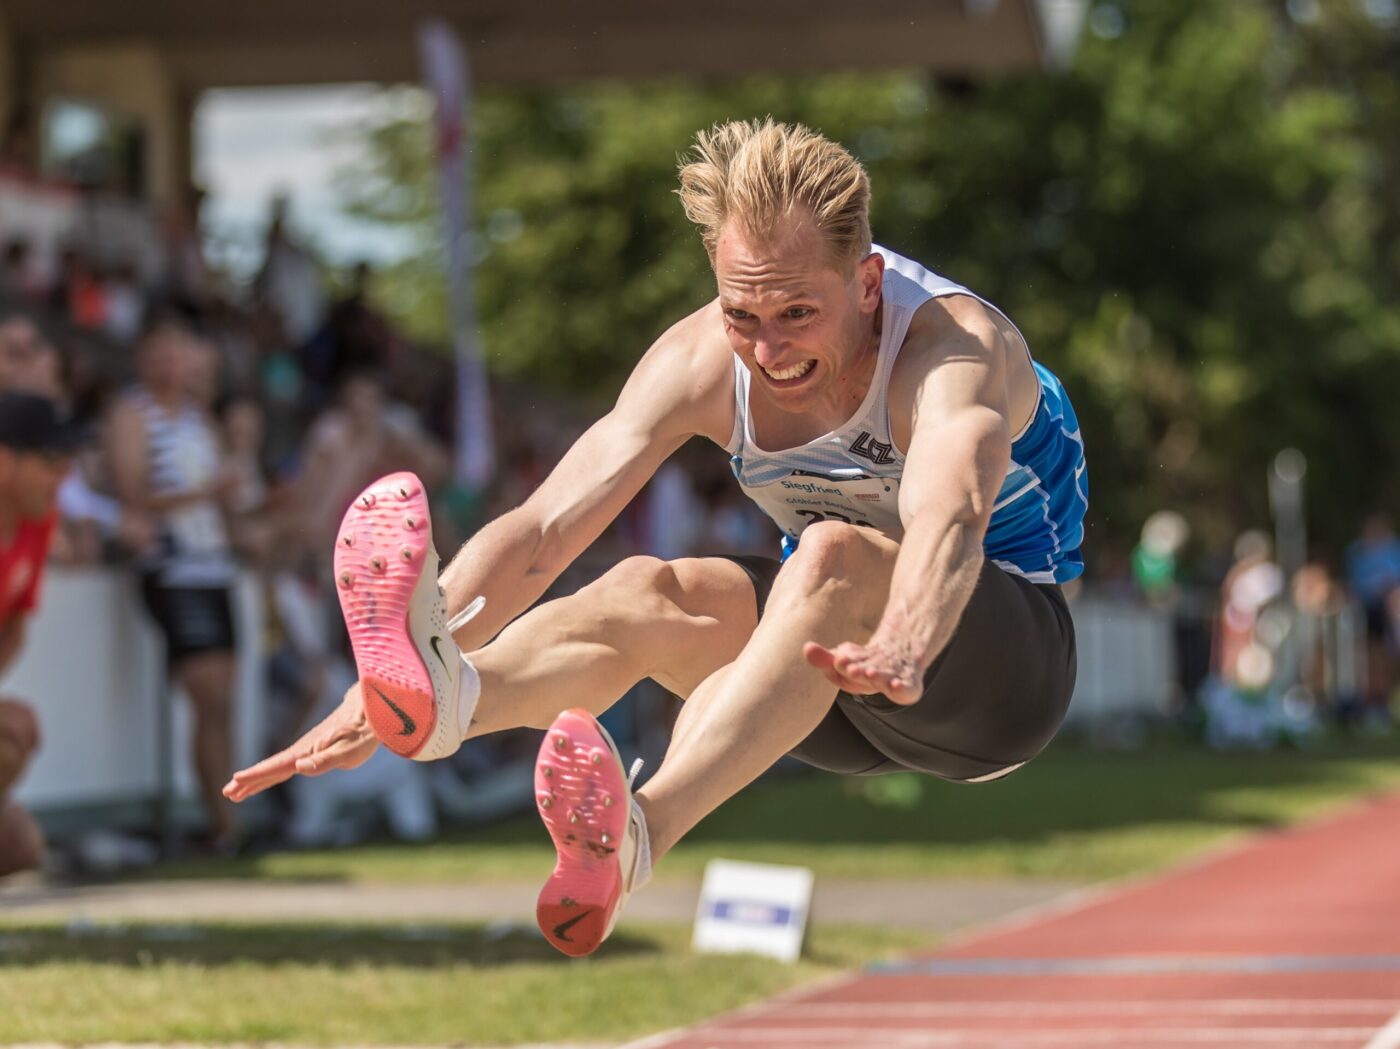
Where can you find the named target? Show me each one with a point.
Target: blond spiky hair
(759, 172)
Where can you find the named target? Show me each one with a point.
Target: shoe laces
(467, 614)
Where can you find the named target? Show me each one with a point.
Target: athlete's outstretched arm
(958, 456)
(680, 388)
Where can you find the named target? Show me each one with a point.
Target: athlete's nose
(768, 352)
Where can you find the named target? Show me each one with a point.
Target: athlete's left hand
(865, 669)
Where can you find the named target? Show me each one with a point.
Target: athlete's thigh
(717, 611)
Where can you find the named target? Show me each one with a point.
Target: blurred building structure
(143, 65)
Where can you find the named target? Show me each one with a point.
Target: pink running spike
(576, 905)
(378, 566)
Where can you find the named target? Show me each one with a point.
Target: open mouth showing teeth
(786, 374)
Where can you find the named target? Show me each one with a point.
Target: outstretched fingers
(862, 670)
(341, 741)
(266, 773)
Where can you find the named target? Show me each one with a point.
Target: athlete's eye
(798, 313)
(738, 315)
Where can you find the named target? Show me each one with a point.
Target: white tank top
(183, 455)
(852, 473)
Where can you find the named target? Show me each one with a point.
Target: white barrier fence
(93, 670)
(1125, 661)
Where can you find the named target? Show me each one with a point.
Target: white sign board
(753, 908)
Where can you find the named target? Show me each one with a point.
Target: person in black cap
(36, 449)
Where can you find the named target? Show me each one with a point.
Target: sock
(468, 692)
(641, 864)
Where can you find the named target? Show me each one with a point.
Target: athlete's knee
(637, 588)
(830, 554)
(838, 567)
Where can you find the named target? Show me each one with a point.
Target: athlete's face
(801, 326)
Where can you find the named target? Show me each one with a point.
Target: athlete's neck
(851, 386)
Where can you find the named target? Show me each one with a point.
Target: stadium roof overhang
(149, 60)
(240, 43)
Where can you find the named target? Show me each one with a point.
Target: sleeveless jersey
(183, 455)
(852, 474)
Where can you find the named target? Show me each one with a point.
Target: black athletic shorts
(193, 619)
(992, 700)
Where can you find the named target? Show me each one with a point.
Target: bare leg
(19, 738)
(749, 714)
(21, 840)
(674, 621)
(208, 680)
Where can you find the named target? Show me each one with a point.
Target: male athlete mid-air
(928, 477)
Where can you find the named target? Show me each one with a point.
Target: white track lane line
(1388, 1037)
(922, 1038)
(1117, 1007)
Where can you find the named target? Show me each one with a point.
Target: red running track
(1290, 941)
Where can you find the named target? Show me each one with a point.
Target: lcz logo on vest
(877, 452)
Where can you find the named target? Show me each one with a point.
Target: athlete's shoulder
(698, 337)
(952, 325)
(689, 371)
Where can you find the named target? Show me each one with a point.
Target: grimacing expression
(797, 322)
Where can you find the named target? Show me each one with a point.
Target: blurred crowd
(196, 433)
(219, 432)
(1268, 652)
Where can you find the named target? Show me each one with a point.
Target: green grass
(365, 985)
(1074, 813)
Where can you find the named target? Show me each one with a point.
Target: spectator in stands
(186, 277)
(253, 519)
(361, 437)
(167, 465)
(1328, 640)
(1253, 582)
(354, 338)
(79, 294)
(28, 361)
(36, 444)
(124, 303)
(290, 280)
(17, 279)
(1373, 573)
(18, 151)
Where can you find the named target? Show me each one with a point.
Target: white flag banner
(448, 81)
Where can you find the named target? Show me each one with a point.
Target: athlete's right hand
(343, 741)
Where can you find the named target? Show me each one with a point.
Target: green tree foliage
(1195, 226)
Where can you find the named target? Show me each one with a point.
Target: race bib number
(796, 501)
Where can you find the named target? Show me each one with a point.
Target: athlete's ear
(870, 275)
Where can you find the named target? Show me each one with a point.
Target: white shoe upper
(456, 686)
(634, 853)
